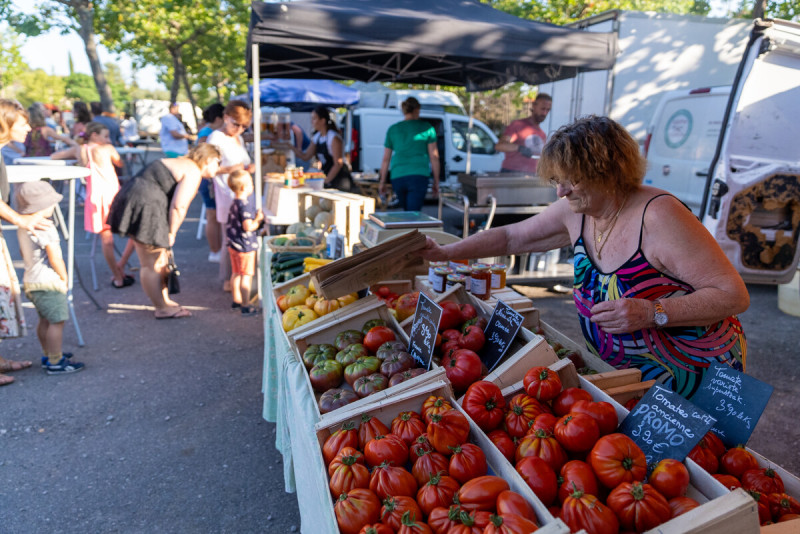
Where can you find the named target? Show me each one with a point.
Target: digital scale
(384, 225)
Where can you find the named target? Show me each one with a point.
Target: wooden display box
(325, 332)
(398, 287)
(592, 361)
(411, 400)
(622, 384)
(792, 486)
(349, 211)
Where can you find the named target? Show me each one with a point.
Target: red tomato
(468, 312)
(522, 410)
(472, 522)
(576, 475)
(467, 462)
(408, 426)
(462, 367)
(432, 405)
(473, 339)
(376, 528)
(348, 475)
(703, 456)
(355, 509)
(484, 403)
(481, 493)
(442, 518)
(377, 336)
(542, 383)
(765, 480)
(736, 461)
(670, 478)
(503, 441)
(615, 459)
(584, 511)
(447, 430)
(763, 504)
(631, 403)
(545, 421)
(344, 437)
(681, 505)
(438, 492)
(451, 315)
(638, 506)
(540, 477)
(603, 413)
(394, 508)
(347, 451)
(511, 502)
(562, 404)
(369, 428)
(730, 482)
(781, 504)
(419, 447)
(544, 446)
(577, 432)
(388, 480)
(388, 449)
(713, 442)
(413, 525)
(430, 463)
(510, 524)
(788, 517)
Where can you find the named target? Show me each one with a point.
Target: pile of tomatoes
(738, 468)
(459, 344)
(564, 446)
(419, 476)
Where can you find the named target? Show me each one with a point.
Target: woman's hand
(34, 221)
(251, 168)
(623, 316)
(432, 251)
(382, 189)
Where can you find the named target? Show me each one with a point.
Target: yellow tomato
(283, 303)
(312, 300)
(297, 316)
(311, 286)
(324, 307)
(298, 295)
(348, 299)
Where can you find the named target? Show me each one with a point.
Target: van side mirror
(718, 190)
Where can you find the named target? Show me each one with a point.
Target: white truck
(379, 109)
(148, 115)
(658, 52)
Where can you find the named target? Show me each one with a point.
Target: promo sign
(422, 339)
(665, 425)
(500, 332)
(734, 399)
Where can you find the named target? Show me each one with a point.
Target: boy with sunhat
(45, 279)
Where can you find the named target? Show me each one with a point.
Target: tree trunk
(177, 65)
(189, 93)
(85, 13)
(759, 9)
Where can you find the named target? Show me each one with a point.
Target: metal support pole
(257, 151)
(71, 261)
(469, 132)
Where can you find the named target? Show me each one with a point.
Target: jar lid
(443, 270)
(466, 271)
(479, 267)
(456, 278)
(497, 266)
(435, 264)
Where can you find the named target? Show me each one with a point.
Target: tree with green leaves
(565, 11)
(11, 64)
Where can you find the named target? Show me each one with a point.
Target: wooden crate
(592, 362)
(282, 203)
(792, 487)
(326, 331)
(398, 287)
(622, 384)
(349, 211)
(411, 400)
(311, 249)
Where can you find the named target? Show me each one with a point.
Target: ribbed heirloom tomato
(447, 430)
(681, 505)
(376, 528)
(638, 506)
(355, 509)
(408, 426)
(504, 443)
(439, 491)
(433, 405)
(576, 475)
(542, 383)
(346, 451)
(703, 456)
(484, 403)
(430, 463)
(348, 475)
(615, 459)
(670, 478)
(765, 480)
(511, 502)
(481, 493)
(577, 432)
(736, 461)
(584, 511)
(462, 367)
(729, 481)
(389, 449)
(387, 480)
(377, 336)
(543, 445)
(540, 477)
(420, 445)
(369, 428)
(603, 413)
(510, 524)
(394, 508)
(441, 519)
(522, 411)
(467, 462)
(344, 437)
(562, 404)
(413, 525)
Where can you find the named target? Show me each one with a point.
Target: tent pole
(257, 158)
(469, 132)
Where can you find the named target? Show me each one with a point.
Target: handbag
(173, 275)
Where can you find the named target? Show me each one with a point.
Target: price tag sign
(665, 425)
(424, 329)
(734, 399)
(500, 332)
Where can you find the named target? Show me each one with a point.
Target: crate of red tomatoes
(560, 433)
(415, 463)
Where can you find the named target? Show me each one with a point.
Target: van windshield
(480, 140)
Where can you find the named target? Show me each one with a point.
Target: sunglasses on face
(242, 126)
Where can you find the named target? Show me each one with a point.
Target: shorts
(50, 305)
(207, 192)
(243, 263)
(169, 154)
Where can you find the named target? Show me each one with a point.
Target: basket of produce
(294, 243)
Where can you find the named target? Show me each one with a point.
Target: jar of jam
(455, 264)
(439, 282)
(464, 270)
(481, 281)
(453, 279)
(498, 271)
(432, 267)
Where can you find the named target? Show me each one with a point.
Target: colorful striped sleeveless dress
(676, 357)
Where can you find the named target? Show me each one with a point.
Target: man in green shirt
(410, 147)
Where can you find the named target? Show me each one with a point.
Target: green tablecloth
(290, 404)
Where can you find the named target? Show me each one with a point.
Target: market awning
(446, 42)
(302, 95)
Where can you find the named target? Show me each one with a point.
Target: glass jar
(433, 266)
(439, 282)
(455, 264)
(481, 281)
(498, 275)
(453, 279)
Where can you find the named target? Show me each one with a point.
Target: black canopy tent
(445, 42)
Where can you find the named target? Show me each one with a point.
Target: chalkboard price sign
(424, 329)
(665, 425)
(734, 399)
(500, 332)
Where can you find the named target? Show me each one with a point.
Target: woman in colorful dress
(652, 287)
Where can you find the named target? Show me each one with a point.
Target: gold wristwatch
(660, 316)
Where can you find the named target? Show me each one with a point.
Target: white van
(681, 140)
(752, 202)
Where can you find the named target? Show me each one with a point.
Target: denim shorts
(207, 192)
(50, 305)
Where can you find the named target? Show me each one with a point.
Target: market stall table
(31, 173)
(46, 161)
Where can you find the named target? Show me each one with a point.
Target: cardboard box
(411, 400)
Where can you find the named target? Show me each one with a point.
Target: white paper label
(495, 281)
(478, 286)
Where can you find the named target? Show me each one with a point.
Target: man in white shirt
(174, 139)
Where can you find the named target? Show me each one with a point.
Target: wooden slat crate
(622, 384)
(592, 362)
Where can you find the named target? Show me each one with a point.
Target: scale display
(404, 219)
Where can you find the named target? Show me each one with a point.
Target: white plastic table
(32, 173)
(45, 160)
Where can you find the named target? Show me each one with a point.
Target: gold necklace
(599, 238)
